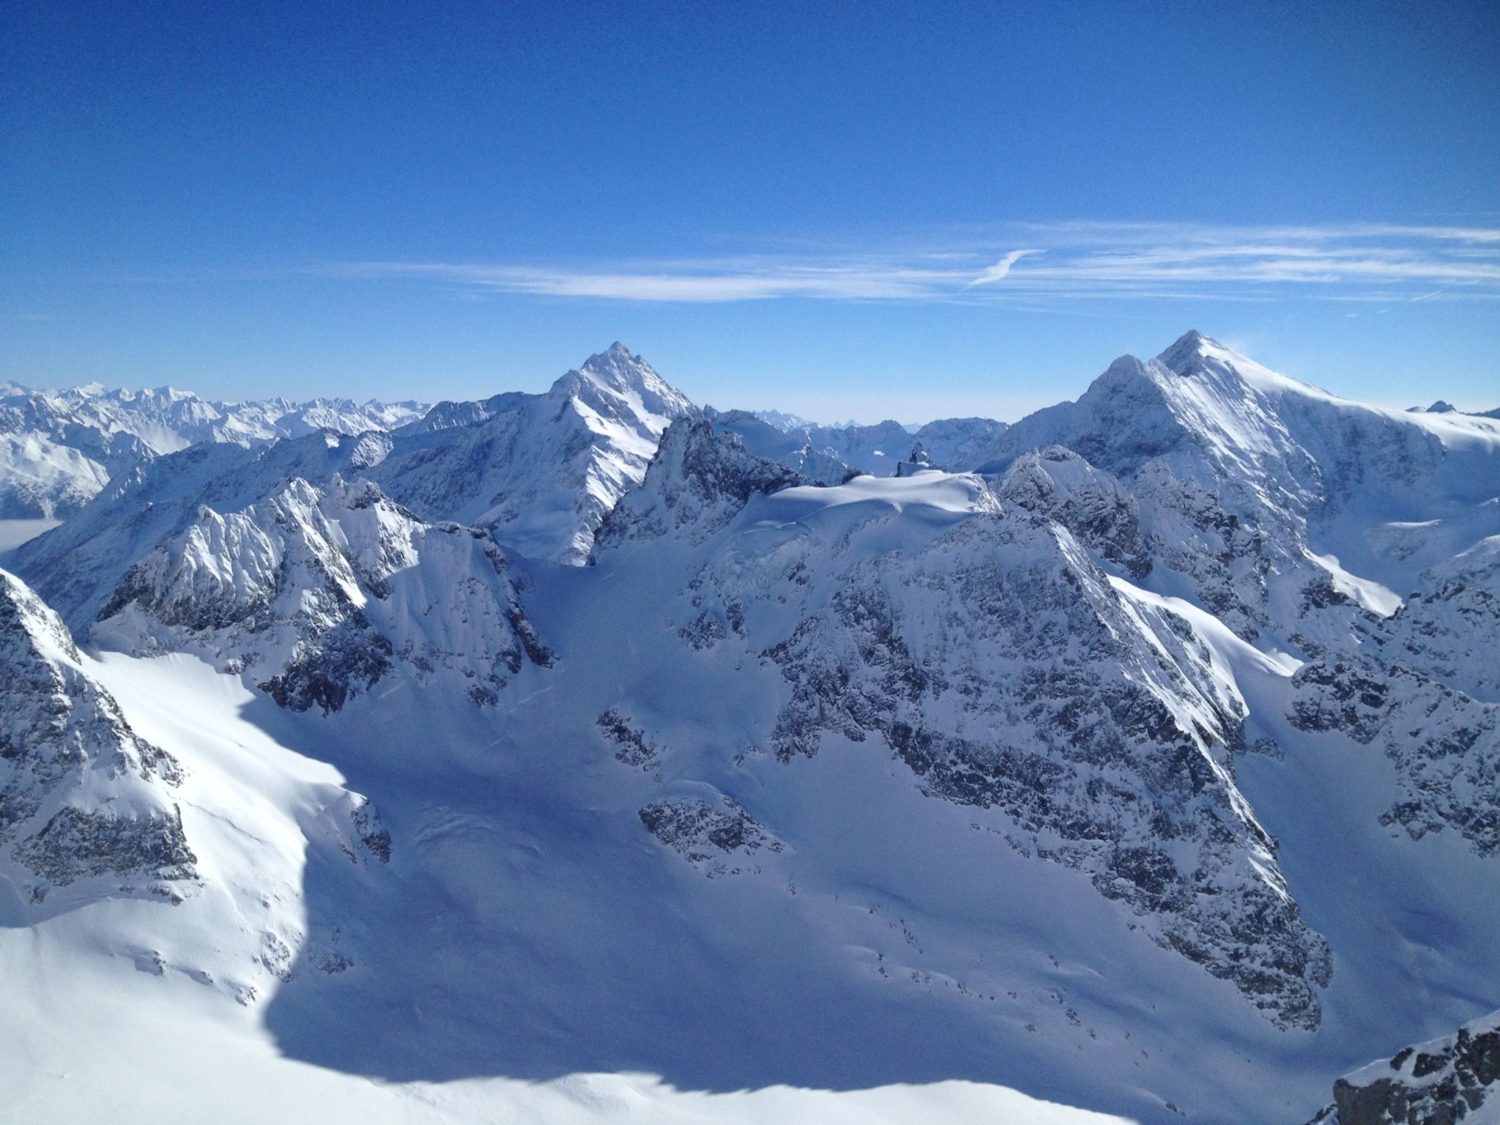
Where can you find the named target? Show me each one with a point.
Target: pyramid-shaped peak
(620, 373)
(1192, 347)
(616, 355)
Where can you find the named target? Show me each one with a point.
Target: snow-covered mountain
(538, 471)
(1159, 757)
(318, 595)
(1447, 1079)
(59, 448)
(542, 471)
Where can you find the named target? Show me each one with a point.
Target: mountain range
(597, 755)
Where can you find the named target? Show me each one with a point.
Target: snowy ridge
(85, 802)
(696, 483)
(77, 567)
(1277, 505)
(315, 596)
(1446, 1079)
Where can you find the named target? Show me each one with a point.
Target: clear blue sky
(806, 206)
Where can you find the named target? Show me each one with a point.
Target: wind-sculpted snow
(315, 596)
(82, 796)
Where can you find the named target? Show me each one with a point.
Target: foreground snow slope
(294, 909)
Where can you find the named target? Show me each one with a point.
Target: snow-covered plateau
(597, 756)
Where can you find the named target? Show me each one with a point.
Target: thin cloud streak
(1077, 260)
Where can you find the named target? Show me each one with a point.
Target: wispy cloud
(1061, 261)
(1001, 269)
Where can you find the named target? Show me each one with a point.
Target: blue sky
(845, 209)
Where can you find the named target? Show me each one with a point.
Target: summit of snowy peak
(621, 374)
(1188, 347)
(1200, 356)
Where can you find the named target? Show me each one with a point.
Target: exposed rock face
(1001, 665)
(316, 595)
(1058, 484)
(81, 794)
(1449, 627)
(632, 748)
(1444, 744)
(709, 838)
(1440, 1082)
(698, 481)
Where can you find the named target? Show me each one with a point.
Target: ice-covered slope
(58, 448)
(541, 471)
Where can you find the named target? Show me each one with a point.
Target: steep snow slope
(86, 806)
(502, 888)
